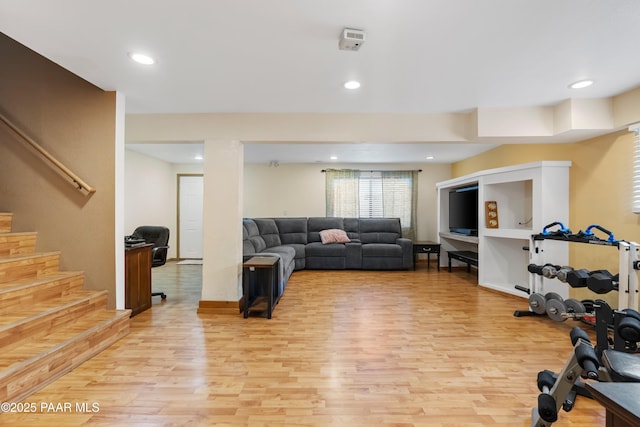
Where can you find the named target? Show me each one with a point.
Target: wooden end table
(252, 283)
(426, 247)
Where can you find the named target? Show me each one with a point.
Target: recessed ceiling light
(581, 84)
(141, 58)
(352, 84)
(198, 157)
(334, 157)
(430, 157)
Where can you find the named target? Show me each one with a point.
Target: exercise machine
(610, 360)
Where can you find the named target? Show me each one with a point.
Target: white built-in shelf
(508, 233)
(529, 197)
(459, 237)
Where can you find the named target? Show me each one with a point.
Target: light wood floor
(344, 348)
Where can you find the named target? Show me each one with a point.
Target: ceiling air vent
(351, 39)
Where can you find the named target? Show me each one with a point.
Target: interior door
(190, 201)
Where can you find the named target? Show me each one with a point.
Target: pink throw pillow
(334, 235)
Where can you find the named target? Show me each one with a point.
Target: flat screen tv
(463, 211)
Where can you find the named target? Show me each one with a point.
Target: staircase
(48, 323)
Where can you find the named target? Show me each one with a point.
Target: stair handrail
(75, 179)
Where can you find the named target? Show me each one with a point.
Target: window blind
(370, 195)
(635, 202)
(374, 194)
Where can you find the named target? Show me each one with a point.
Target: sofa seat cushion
(300, 250)
(287, 263)
(300, 256)
(287, 253)
(317, 249)
(381, 250)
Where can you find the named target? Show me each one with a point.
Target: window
(635, 201)
(370, 195)
(373, 194)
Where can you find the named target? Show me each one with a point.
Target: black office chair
(159, 236)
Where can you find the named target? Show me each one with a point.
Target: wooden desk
(620, 400)
(137, 278)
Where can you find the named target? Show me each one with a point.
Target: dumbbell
(534, 268)
(538, 269)
(577, 278)
(560, 310)
(549, 270)
(602, 282)
(563, 272)
(539, 302)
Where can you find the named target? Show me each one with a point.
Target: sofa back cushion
(380, 230)
(352, 227)
(316, 224)
(268, 231)
(292, 230)
(253, 236)
(247, 246)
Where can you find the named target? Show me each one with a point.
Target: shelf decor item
(491, 213)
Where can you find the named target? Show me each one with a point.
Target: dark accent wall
(75, 121)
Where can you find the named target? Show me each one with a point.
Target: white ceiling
(420, 56)
(320, 153)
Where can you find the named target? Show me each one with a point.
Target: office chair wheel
(162, 295)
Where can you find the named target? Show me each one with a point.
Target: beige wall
(151, 194)
(600, 191)
(299, 190)
(289, 190)
(76, 122)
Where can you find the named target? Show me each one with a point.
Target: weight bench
(468, 257)
(559, 392)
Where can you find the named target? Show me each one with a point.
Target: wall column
(222, 220)
(119, 204)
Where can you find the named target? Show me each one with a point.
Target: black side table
(426, 247)
(257, 295)
(620, 400)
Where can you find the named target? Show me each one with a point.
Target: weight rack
(628, 264)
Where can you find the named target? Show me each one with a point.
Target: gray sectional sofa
(374, 244)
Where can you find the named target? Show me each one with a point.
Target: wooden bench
(468, 257)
